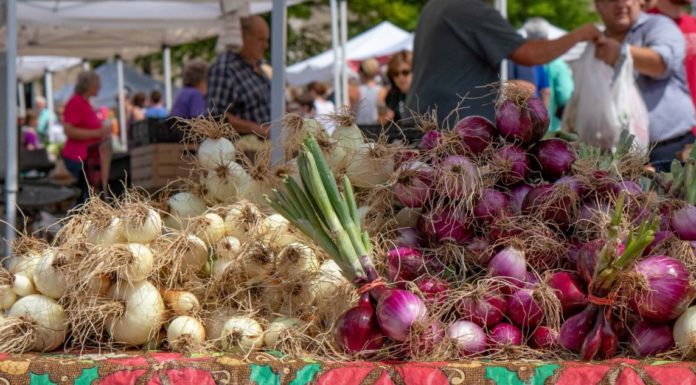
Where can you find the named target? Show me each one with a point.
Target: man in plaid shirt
(237, 87)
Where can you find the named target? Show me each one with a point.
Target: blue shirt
(190, 103)
(156, 112)
(536, 75)
(667, 97)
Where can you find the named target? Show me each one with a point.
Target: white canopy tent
(30, 68)
(381, 40)
(557, 32)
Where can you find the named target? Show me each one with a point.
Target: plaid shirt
(235, 86)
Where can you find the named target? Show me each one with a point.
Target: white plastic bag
(603, 104)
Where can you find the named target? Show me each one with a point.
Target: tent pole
(338, 93)
(10, 123)
(343, 12)
(167, 59)
(48, 84)
(22, 99)
(502, 8)
(278, 42)
(121, 103)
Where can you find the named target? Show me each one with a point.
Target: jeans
(75, 167)
(664, 153)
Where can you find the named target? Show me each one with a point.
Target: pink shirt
(79, 113)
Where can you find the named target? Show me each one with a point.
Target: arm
(76, 133)
(648, 62)
(384, 113)
(244, 126)
(535, 52)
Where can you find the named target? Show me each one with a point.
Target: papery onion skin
(517, 195)
(683, 223)
(456, 177)
(509, 264)
(684, 330)
(487, 310)
(476, 132)
(505, 334)
(468, 336)
(405, 263)
(668, 292)
(445, 225)
(554, 158)
(648, 339)
(513, 162)
(414, 184)
(543, 202)
(398, 311)
(430, 140)
(491, 205)
(539, 115)
(544, 338)
(523, 310)
(434, 290)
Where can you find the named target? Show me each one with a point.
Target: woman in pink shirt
(83, 129)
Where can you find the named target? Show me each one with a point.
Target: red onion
(509, 264)
(660, 236)
(486, 310)
(545, 202)
(523, 310)
(434, 290)
(531, 281)
(398, 311)
(683, 222)
(404, 264)
(513, 163)
(405, 155)
(408, 237)
(357, 330)
(668, 292)
(554, 158)
(576, 185)
(456, 177)
(414, 183)
(570, 291)
(445, 225)
(505, 334)
(544, 338)
(491, 205)
(630, 187)
(479, 251)
(469, 337)
(513, 124)
(427, 340)
(539, 115)
(430, 140)
(576, 328)
(517, 195)
(648, 339)
(476, 133)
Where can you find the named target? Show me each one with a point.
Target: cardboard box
(155, 165)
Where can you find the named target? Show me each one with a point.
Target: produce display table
(153, 368)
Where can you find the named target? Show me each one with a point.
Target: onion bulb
(212, 152)
(224, 181)
(257, 262)
(195, 254)
(370, 166)
(228, 248)
(209, 227)
(407, 217)
(141, 224)
(42, 321)
(50, 277)
(349, 137)
(111, 234)
(468, 336)
(186, 205)
(220, 268)
(137, 260)
(181, 302)
(244, 219)
(185, 333)
(7, 297)
(289, 298)
(143, 316)
(296, 260)
(215, 323)
(22, 285)
(279, 329)
(327, 283)
(276, 222)
(685, 330)
(241, 335)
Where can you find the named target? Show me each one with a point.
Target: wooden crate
(155, 165)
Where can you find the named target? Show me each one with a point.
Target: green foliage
(567, 14)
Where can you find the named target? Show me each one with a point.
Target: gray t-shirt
(459, 45)
(667, 97)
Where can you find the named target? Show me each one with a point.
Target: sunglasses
(402, 73)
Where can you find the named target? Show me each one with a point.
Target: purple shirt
(190, 103)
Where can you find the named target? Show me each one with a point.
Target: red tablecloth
(154, 368)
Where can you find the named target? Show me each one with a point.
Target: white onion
(220, 266)
(23, 285)
(7, 297)
(184, 333)
(228, 248)
(213, 152)
(186, 205)
(99, 285)
(329, 280)
(685, 330)
(407, 217)
(243, 219)
(255, 190)
(109, 235)
(195, 254)
(278, 328)
(26, 264)
(215, 323)
(296, 260)
(142, 228)
(276, 222)
(140, 262)
(143, 314)
(46, 317)
(288, 299)
(181, 302)
(209, 227)
(241, 335)
(50, 278)
(349, 137)
(225, 181)
(369, 167)
(257, 262)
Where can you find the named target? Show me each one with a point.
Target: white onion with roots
(241, 335)
(371, 165)
(50, 277)
(185, 334)
(209, 227)
(213, 152)
(141, 224)
(244, 219)
(215, 323)
(296, 260)
(23, 285)
(186, 205)
(280, 328)
(34, 323)
(224, 182)
(182, 302)
(228, 248)
(111, 234)
(143, 315)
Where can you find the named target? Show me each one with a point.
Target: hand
(104, 132)
(587, 32)
(608, 50)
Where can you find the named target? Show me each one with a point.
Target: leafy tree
(567, 14)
